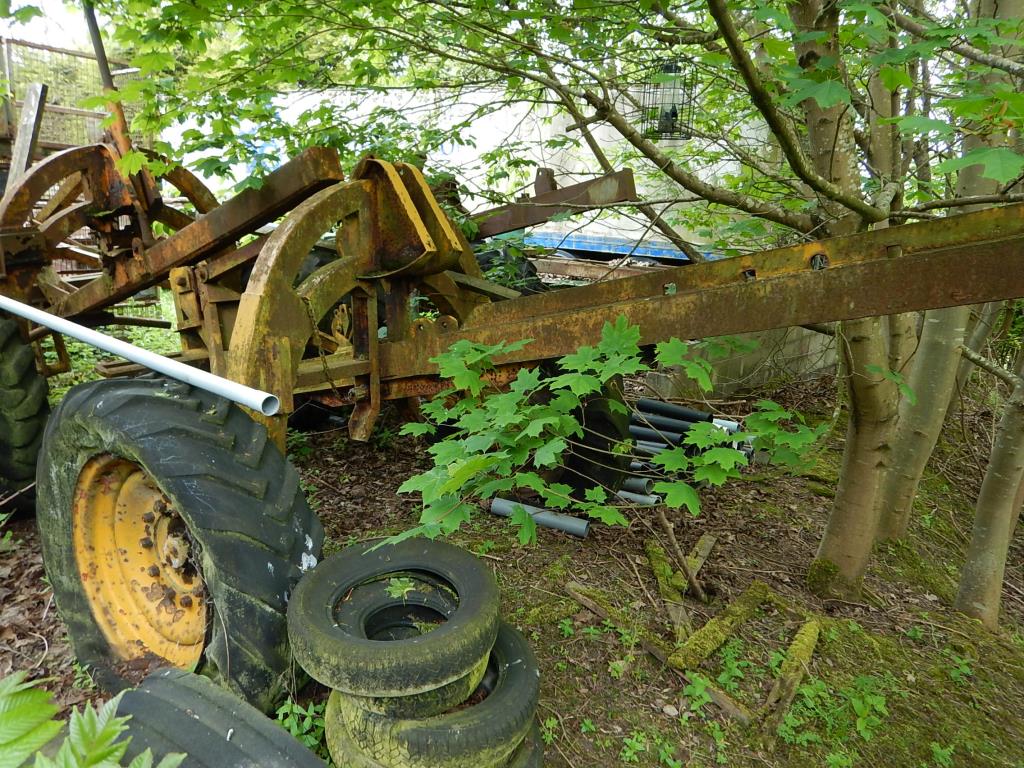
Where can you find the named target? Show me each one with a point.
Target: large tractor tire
(23, 411)
(173, 711)
(173, 532)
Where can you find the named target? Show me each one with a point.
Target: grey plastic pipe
(264, 402)
(642, 500)
(574, 526)
(639, 485)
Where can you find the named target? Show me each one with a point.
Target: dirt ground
(897, 679)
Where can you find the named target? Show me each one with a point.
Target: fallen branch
(798, 659)
(691, 578)
(593, 600)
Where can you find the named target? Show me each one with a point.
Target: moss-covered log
(717, 630)
(798, 659)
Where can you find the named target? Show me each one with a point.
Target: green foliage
(547, 730)
(400, 586)
(26, 713)
(306, 724)
(820, 715)
(93, 737)
(504, 440)
(7, 542)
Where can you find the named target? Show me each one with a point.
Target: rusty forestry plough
(172, 530)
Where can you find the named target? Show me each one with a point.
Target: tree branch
(967, 51)
(783, 131)
(996, 370)
(801, 222)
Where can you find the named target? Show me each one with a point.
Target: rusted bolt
(160, 507)
(146, 543)
(153, 571)
(185, 601)
(149, 517)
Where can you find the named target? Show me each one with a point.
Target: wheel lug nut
(146, 543)
(149, 517)
(154, 571)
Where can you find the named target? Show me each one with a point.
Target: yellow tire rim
(136, 567)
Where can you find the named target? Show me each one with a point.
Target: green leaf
(895, 77)
(827, 93)
(549, 453)
(417, 428)
(713, 473)
(919, 124)
(527, 526)
(672, 460)
(727, 458)
(679, 494)
(131, 163)
(1001, 164)
(620, 337)
(671, 352)
(607, 515)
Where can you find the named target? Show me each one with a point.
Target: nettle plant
(511, 440)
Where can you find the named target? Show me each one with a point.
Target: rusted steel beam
(962, 260)
(585, 269)
(615, 187)
(313, 170)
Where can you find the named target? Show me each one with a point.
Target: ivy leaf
(679, 494)
(527, 526)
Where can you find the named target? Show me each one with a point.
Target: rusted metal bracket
(294, 181)
(615, 187)
(366, 344)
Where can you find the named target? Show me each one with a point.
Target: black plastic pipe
(672, 410)
(643, 433)
(661, 422)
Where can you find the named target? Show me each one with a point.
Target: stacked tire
(423, 672)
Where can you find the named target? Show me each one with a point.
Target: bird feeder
(667, 101)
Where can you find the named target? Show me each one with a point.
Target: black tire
(23, 410)
(341, 656)
(237, 495)
(176, 711)
(427, 602)
(593, 462)
(480, 735)
(529, 754)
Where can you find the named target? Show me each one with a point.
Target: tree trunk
(849, 535)
(932, 378)
(988, 314)
(934, 375)
(995, 516)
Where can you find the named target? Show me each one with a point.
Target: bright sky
(62, 25)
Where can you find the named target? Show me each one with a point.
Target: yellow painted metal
(133, 555)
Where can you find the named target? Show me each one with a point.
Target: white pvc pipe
(264, 402)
